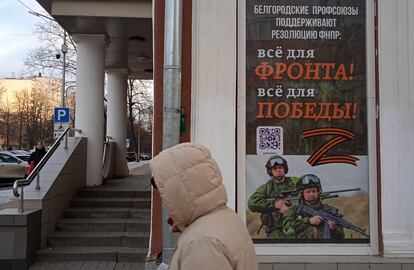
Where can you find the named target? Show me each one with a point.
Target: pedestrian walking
(212, 236)
(36, 157)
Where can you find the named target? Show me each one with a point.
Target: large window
(307, 111)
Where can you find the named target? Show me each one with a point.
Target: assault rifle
(306, 210)
(291, 195)
(287, 195)
(333, 193)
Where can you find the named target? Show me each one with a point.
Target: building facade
(222, 36)
(299, 69)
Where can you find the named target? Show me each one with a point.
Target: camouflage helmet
(309, 181)
(274, 161)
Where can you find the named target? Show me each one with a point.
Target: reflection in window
(7, 159)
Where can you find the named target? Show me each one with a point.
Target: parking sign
(62, 118)
(62, 115)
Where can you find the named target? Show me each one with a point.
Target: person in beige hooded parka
(212, 236)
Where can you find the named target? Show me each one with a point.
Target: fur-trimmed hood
(189, 182)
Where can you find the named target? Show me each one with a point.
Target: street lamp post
(64, 50)
(139, 136)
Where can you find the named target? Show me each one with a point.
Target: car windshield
(24, 157)
(7, 159)
(19, 152)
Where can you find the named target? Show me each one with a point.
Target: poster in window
(306, 121)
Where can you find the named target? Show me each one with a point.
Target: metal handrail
(35, 173)
(108, 139)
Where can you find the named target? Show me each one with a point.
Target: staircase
(102, 225)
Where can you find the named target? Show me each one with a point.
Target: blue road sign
(62, 115)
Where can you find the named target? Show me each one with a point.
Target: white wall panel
(214, 84)
(396, 86)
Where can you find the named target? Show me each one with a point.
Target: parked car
(11, 167)
(22, 154)
(130, 156)
(145, 156)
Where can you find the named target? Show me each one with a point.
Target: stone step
(133, 266)
(138, 225)
(135, 239)
(98, 239)
(77, 254)
(111, 202)
(133, 255)
(107, 212)
(96, 212)
(78, 265)
(101, 192)
(103, 225)
(142, 214)
(120, 254)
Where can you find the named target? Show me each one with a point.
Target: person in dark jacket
(36, 156)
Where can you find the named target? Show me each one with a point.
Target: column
(117, 116)
(89, 110)
(214, 84)
(396, 44)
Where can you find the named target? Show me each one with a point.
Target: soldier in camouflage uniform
(272, 211)
(311, 227)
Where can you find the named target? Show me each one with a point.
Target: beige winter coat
(213, 236)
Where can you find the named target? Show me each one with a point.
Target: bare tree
(39, 113)
(22, 100)
(47, 59)
(140, 114)
(70, 101)
(26, 115)
(8, 122)
(2, 94)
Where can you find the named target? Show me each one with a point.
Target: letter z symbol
(319, 157)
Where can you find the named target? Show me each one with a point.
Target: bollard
(37, 181)
(66, 141)
(21, 208)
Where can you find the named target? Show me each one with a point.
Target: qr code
(269, 140)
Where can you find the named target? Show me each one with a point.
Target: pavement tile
(265, 266)
(321, 266)
(385, 266)
(353, 266)
(408, 266)
(151, 266)
(289, 266)
(130, 266)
